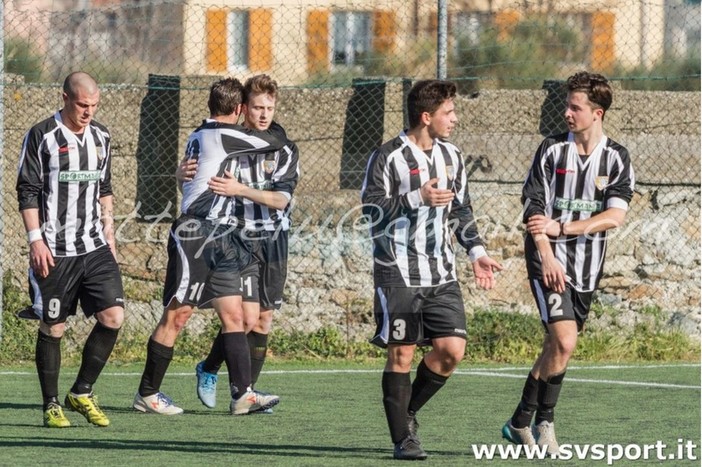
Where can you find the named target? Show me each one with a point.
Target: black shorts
(205, 261)
(263, 281)
(570, 305)
(93, 279)
(416, 315)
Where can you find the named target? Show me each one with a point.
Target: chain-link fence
(345, 67)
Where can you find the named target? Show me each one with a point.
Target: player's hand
(483, 270)
(433, 196)
(225, 186)
(542, 225)
(553, 274)
(40, 258)
(186, 170)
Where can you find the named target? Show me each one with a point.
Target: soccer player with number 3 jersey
(416, 199)
(579, 187)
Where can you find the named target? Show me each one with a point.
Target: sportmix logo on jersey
(265, 185)
(79, 176)
(577, 205)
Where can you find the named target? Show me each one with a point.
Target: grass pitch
(331, 414)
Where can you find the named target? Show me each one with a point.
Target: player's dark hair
(260, 84)
(427, 96)
(225, 95)
(596, 86)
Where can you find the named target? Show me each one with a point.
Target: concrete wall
(652, 261)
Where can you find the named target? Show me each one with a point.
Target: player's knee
(112, 318)
(400, 358)
(54, 330)
(176, 319)
(449, 360)
(564, 346)
(265, 322)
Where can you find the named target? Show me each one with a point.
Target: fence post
(442, 40)
(157, 151)
(2, 159)
(363, 129)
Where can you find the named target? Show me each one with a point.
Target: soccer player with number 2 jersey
(579, 186)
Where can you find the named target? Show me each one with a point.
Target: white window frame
(238, 40)
(351, 19)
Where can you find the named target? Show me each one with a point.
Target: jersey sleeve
(461, 215)
(29, 175)
(381, 203)
(288, 172)
(534, 191)
(245, 141)
(621, 182)
(106, 172)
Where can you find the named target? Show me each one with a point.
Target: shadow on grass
(158, 445)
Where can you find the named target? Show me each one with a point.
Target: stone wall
(653, 261)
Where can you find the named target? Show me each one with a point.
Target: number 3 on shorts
(399, 328)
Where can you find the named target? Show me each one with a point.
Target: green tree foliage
(22, 59)
(536, 49)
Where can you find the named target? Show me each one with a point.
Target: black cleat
(27, 313)
(409, 450)
(413, 425)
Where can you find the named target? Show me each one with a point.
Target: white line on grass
(496, 372)
(582, 380)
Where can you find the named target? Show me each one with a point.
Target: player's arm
(552, 272)
(381, 203)
(29, 186)
(40, 258)
(229, 186)
(107, 217)
(618, 195)
(284, 181)
(107, 199)
(538, 225)
(534, 191)
(185, 171)
(466, 231)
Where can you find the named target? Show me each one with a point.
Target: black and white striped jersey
(566, 186)
(412, 243)
(274, 171)
(217, 147)
(64, 175)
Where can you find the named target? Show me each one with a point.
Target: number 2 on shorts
(555, 301)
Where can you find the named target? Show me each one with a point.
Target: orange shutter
(384, 31)
(216, 40)
(433, 23)
(505, 21)
(260, 40)
(317, 41)
(602, 55)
